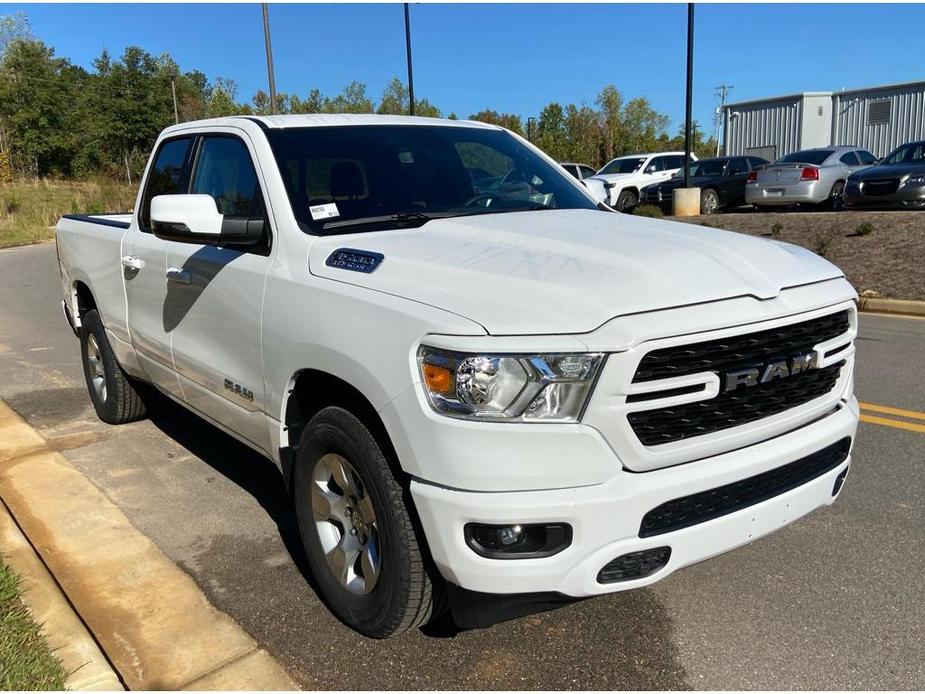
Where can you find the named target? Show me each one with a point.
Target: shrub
(863, 229)
(776, 228)
(822, 242)
(648, 211)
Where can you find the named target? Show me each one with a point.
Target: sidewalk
(151, 625)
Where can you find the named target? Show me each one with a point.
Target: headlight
(916, 181)
(508, 387)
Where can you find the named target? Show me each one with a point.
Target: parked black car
(721, 181)
(897, 181)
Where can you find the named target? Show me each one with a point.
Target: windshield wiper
(403, 218)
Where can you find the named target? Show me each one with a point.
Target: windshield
(914, 152)
(710, 167)
(623, 166)
(813, 156)
(345, 178)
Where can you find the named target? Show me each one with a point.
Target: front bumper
(903, 198)
(606, 518)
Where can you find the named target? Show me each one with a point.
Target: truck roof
(329, 119)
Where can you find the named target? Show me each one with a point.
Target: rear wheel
(114, 394)
(626, 201)
(357, 529)
(709, 202)
(836, 199)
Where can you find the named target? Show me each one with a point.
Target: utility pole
(176, 111)
(690, 91)
(721, 91)
(408, 50)
(270, 76)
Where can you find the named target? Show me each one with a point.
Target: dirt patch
(880, 252)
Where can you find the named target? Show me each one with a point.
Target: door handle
(178, 275)
(132, 262)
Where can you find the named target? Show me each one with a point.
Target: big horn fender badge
(354, 260)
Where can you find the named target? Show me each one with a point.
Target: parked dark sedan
(721, 181)
(897, 181)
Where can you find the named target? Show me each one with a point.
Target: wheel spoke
(366, 508)
(369, 563)
(342, 558)
(327, 505)
(340, 475)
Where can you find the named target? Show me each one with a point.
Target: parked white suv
(474, 379)
(625, 177)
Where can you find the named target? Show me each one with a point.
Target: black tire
(836, 199)
(114, 394)
(626, 201)
(709, 201)
(404, 593)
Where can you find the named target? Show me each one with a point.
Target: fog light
(518, 541)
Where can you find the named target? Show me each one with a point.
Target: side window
(866, 157)
(225, 171)
(675, 161)
(737, 166)
(755, 162)
(166, 177)
(657, 164)
(848, 159)
(587, 171)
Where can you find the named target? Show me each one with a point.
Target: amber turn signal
(438, 379)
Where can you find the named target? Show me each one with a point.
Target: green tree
(352, 99)
(610, 120)
(551, 135)
(510, 121)
(583, 135)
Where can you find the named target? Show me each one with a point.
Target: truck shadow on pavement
(618, 641)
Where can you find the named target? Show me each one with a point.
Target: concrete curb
(150, 619)
(903, 307)
(65, 634)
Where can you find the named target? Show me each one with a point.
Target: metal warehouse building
(877, 119)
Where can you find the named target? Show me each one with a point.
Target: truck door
(215, 297)
(144, 261)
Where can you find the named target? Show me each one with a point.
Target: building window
(878, 112)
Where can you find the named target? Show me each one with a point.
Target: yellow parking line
(895, 423)
(883, 409)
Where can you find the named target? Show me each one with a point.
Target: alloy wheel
(97, 370)
(346, 524)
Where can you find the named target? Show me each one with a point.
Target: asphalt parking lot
(834, 601)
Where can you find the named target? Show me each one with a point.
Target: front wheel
(357, 530)
(626, 201)
(709, 202)
(115, 396)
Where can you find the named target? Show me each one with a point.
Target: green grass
(30, 209)
(25, 660)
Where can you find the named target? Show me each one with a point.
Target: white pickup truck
(483, 391)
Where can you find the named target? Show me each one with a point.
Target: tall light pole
(410, 71)
(270, 76)
(690, 92)
(721, 91)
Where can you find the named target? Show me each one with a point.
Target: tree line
(59, 119)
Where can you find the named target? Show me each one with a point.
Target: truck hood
(568, 271)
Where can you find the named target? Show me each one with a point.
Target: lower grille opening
(629, 567)
(713, 503)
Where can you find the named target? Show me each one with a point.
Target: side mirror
(195, 218)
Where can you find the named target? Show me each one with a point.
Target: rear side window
(737, 166)
(225, 171)
(866, 157)
(674, 161)
(849, 159)
(586, 171)
(167, 175)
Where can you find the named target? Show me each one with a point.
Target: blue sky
(514, 58)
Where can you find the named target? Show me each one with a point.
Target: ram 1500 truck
(480, 387)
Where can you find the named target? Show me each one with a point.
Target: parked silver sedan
(811, 176)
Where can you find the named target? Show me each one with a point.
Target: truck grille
(713, 503)
(740, 350)
(886, 186)
(742, 405)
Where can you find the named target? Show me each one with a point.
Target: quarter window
(866, 157)
(737, 166)
(167, 175)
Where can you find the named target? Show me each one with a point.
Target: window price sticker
(324, 211)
